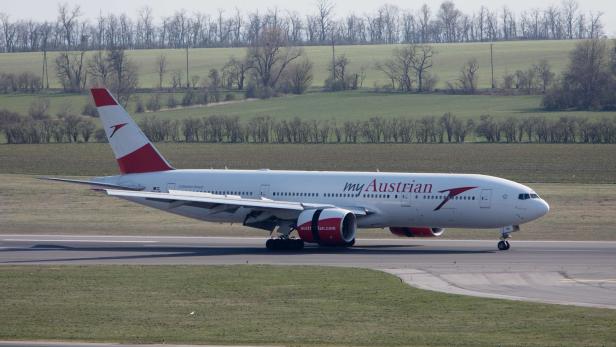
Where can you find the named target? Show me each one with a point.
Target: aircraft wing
(93, 183)
(226, 202)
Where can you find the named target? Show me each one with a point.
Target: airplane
(323, 207)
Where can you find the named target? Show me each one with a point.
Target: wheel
(503, 245)
(284, 244)
(297, 244)
(507, 243)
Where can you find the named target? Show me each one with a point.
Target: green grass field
(364, 104)
(508, 57)
(546, 163)
(274, 305)
(339, 107)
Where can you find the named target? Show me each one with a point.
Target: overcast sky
(47, 9)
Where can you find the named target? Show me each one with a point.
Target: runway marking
(79, 240)
(574, 280)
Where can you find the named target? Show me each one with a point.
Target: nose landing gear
(503, 244)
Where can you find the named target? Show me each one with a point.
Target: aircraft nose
(542, 208)
(546, 207)
(537, 209)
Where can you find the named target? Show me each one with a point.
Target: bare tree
(67, 18)
(71, 71)
(86, 128)
(176, 79)
(270, 56)
(422, 63)
(161, 69)
(146, 26)
(545, 74)
(449, 15)
(399, 67)
(235, 71)
(447, 121)
(324, 9)
(39, 109)
(124, 79)
(299, 76)
(390, 69)
(570, 8)
(99, 69)
(467, 81)
(9, 30)
(596, 28)
(424, 23)
(214, 85)
(587, 82)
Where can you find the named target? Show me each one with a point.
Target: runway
(564, 272)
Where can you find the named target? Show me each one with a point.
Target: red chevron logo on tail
(116, 128)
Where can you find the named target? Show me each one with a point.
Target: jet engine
(327, 227)
(417, 231)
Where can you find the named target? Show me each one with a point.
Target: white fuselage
(391, 199)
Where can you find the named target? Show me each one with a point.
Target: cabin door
(486, 196)
(264, 191)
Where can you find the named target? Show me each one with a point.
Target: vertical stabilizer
(132, 149)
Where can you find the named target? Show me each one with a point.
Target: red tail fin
(132, 149)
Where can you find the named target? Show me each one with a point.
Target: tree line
(388, 24)
(38, 127)
(270, 66)
(589, 81)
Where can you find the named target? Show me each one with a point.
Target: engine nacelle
(328, 227)
(417, 231)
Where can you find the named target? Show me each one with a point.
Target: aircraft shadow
(115, 253)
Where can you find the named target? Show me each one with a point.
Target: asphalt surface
(563, 272)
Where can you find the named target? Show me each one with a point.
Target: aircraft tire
(503, 245)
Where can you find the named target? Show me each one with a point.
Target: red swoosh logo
(116, 128)
(453, 192)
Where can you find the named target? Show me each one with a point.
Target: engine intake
(417, 231)
(327, 227)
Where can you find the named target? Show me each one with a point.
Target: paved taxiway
(565, 272)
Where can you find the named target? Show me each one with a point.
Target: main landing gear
(503, 244)
(284, 244)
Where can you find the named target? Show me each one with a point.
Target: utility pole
(333, 62)
(45, 76)
(187, 76)
(492, 65)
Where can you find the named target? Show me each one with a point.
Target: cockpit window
(526, 196)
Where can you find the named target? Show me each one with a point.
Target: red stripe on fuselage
(102, 97)
(145, 159)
